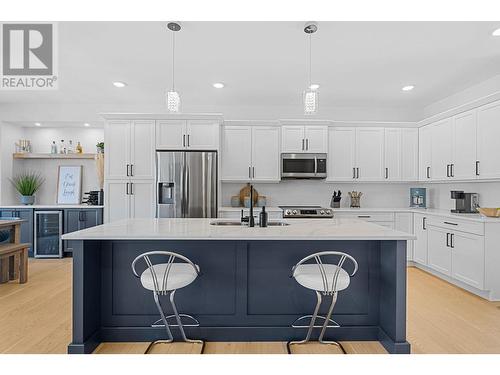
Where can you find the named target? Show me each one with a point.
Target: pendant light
(173, 98)
(310, 95)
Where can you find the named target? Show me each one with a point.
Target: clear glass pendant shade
(310, 98)
(173, 101)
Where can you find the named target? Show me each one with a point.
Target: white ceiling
(357, 64)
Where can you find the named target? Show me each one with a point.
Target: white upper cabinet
(425, 153)
(117, 141)
(236, 153)
(409, 154)
(251, 153)
(187, 134)
(341, 154)
(464, 146)
(304, 139)
(392, 154)
(369, 154)
(488, 135)
(442, 149)
(130, 149)
(265, 153)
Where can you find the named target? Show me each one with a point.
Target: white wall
(316, 192)
(41, 139)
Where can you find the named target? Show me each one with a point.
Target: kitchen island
(245, 292)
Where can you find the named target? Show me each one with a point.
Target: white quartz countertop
(256, 209)
(48, 206)
(200, 229)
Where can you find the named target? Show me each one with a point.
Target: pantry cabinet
(129, 149)
(251, 153)
(488, 134)
(187, 134)
(129, 200)
(304, 139)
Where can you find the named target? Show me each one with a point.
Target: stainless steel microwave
(303, 166)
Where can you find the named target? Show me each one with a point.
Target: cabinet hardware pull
(477, 167)
(447, 240)
(447, 170)
(189, 142)
(249, 172)
(353, 172)
(131, 188)
(447, 222)
(303, 147)
(452, 170)
(253, 172)
(127, 189)
(357, 172)
(364, 216)
(127, 170)
(131, 170)
(452, 240)
(423, 223)
(184, 140)
(386, 173)
(428, 172)
(307, 144)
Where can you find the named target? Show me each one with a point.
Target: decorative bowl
(489, 212)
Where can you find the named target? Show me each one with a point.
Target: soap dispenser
(263, 218)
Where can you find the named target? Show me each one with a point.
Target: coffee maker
(418, 198)
(465, 203)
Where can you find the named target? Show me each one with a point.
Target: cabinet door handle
(127, 189)
(127, 170)
(188, 142)
(184, 140)
(477, 167)
(428, 172)
(447, 170)
(303, 147)
(386, 173)
(80, 216)
(353, 172)
(447, 222)
(452, 170)
(424, 222)
(307, 144)
(131, 188)
(131, 170)
(452, 240)
(357, 172)
(249, 172)
(364, 216)
(447, 240)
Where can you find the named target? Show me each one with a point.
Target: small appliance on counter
(465, 203)
(309, 212)
(336, 197)
(418, 198)
(94, 198)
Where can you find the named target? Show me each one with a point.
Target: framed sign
(69, 184)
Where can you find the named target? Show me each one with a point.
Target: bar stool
(166, 278)
(324, 278)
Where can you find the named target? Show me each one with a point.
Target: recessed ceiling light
(314, 86)
(218, 85)
(119, 84)
(408, 88)
(38, 124)
(86, 124)
(496, 32)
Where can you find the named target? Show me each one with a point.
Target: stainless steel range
(301, 212)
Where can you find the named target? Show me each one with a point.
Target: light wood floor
(36, 318)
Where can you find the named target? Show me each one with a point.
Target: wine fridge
(48, 232)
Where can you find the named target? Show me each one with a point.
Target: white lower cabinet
(420, 244)
(129, 200)
(468, 259)
(439, 250)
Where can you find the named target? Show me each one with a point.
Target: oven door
(303, 166)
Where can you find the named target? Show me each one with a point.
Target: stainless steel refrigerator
(186, 184)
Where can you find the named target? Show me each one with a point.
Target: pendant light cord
(173, 61)
(310, 59)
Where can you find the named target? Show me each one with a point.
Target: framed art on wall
(69, 184)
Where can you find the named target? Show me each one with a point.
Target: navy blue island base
(245, 292)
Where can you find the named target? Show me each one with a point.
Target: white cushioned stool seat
(309, 276)
(179, 276)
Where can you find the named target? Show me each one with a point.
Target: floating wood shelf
(52, 156)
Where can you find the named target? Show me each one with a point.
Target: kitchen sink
(238, 224)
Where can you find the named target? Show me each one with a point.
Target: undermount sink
(238, 224)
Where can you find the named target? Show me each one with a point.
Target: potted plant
(27, 184)
(100, 147)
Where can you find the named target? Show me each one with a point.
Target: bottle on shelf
(70, 149)
(53, 148)
(79, 149)
(62, 147)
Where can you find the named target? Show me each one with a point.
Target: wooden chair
(13, 254)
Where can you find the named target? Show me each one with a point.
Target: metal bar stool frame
(329, 289)
(163, 291)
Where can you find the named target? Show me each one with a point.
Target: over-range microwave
(303, 166)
